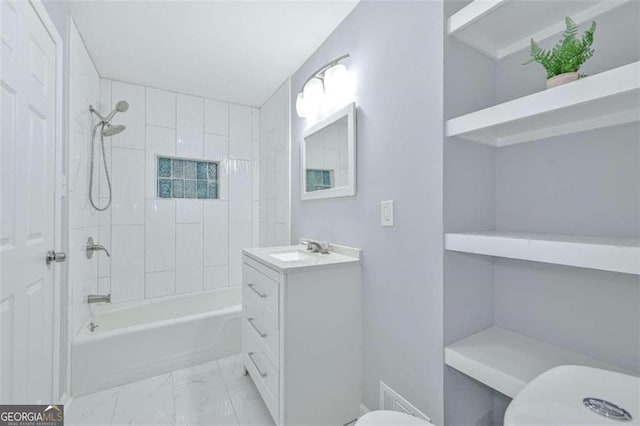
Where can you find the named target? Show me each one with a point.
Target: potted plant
(563, 62)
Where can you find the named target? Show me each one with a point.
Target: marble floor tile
(147, 402)
(208, 369)
(250, 410)
(93, 409)
(203, 399)
(232, 370)
(215, 393)
(203, 411)
(249, 406)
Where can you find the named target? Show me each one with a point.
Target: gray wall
(469, 205)
(58, 13)
(396, 51)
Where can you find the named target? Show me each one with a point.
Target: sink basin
(562, 396)
(291, 256)
(296, 257)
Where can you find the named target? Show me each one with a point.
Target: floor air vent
(391, 400)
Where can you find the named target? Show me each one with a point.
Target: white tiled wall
(166, 246)
(189, 126)
(189, 263)
(160, 230)
(272, 204)
(84, 90)
(127, 262)
(127, 167)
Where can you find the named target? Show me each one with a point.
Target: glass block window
(318, 180)
(180, 178)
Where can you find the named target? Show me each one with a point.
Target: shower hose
(106, 170)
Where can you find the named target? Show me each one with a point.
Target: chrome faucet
(96, 298)
(91, 247)
(316, 246)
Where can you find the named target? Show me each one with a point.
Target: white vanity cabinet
(302, 333)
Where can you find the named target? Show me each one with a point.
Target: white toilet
(390, 418)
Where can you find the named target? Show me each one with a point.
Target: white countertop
(337, 255)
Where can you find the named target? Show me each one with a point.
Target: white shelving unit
(602, 253)
(504, 360)
(606, 99)
(507, 361)
(499, 28)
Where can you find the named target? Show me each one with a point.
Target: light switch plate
(386, 213)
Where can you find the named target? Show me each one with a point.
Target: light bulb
(301, 106)
(313, 94)
(336, 79)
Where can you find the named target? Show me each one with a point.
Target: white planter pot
(561, 79)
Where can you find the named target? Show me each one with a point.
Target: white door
(27, 167)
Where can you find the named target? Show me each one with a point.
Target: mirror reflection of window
(326, 164)
(317, 180)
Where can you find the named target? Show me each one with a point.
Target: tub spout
(96, 298)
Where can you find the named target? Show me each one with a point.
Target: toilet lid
(389, 418)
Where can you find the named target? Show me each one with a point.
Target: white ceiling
(236, 51)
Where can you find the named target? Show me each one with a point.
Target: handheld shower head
(122, 106)
(112, 129)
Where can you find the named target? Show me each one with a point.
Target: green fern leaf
(568, 54)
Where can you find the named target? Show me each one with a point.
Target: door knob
(57, 257)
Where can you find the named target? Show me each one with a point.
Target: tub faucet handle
(92, 246)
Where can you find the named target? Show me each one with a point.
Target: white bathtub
(135, 340)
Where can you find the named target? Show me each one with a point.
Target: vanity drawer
(265, 270)
(262, 288)
(265, 377)
(263, 324)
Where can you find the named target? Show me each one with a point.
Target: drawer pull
(256, 291)
(256, 328)
(256, 365)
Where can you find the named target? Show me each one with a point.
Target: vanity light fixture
(328, 88)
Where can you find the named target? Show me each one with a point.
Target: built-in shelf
(499, 28)
(606, 254)
(507, 361)
(606, 99)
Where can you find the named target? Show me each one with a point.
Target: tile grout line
(184, 94)
(173, 393)
(175, 205)
(129, 148)
(226, 388)
(229, 200)
(144, 204)
(111, 209)
(115, 405)
(202, 202)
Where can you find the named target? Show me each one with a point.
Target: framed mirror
(329, 156)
